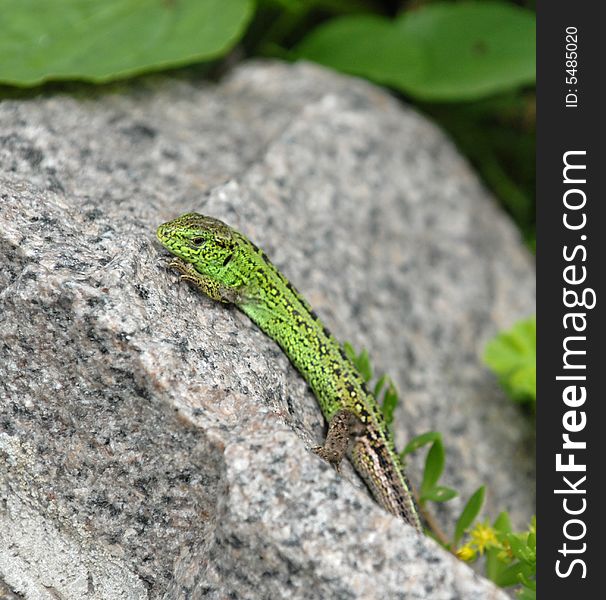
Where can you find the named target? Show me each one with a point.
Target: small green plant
(434, 467)
(512, 356)
(384, 389)
(510, 558)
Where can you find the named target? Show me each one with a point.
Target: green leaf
(523, 547)
(360, 361)
(350, 352)
(438, 52)
(434, 466)
(440, 493)
(421, 440)
(502, 523)
(390, 401)
(527, 594)
(363, 365)
(517, 546)
(494, 567)
(380, 384)
(512, 355)
(101, 40)
(470, 512)
(364, 45)
(528, 583)
(507, 575)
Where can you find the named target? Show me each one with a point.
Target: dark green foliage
(471, 64)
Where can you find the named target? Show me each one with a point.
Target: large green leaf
(457, 51)
(101, 40)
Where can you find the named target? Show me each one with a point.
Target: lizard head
(207, 243)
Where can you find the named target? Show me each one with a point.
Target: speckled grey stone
(6, 593)
(154, 444)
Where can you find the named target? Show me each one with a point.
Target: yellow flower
(483, 536)
(466, 553)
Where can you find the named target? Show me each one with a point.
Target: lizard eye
(197, 241)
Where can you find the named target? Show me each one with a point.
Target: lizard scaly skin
(228, 267)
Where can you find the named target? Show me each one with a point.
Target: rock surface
(154, 444)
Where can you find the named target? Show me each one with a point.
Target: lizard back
(229, 267)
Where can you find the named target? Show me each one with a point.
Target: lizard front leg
(343, 427)
(206, 285)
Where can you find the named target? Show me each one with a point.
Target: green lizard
(229, 268)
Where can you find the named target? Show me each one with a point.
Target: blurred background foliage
(470, 65)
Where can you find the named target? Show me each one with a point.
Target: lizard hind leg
(343, 426)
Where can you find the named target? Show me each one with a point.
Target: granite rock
(155, 444)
